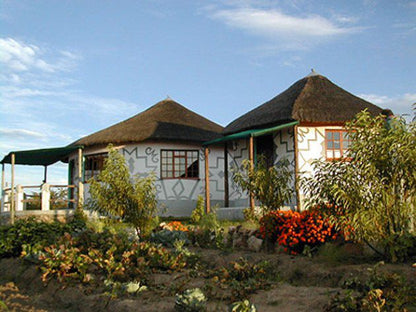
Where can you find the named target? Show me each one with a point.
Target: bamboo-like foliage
(116, 194)
(272, 186)
(375, 185)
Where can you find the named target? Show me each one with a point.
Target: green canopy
(40, 157)
(250, 133)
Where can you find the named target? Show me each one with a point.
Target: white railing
(45, 199)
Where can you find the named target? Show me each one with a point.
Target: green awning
(251, 133)
(40, 157)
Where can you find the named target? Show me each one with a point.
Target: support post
(13, 200)
(80, 182)
(45, 174)
(2, 188)
(226, 186)
(296, 156)
(207, 193)
(19, 198)
(251, 158)
(45, 197)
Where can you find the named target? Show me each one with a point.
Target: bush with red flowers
(294, 230)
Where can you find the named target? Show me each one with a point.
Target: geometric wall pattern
(177, 196)
(311, 147)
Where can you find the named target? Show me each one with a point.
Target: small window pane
(330, 145)
(336, 136)
(345, 135)
(337, 154)
(337, 145)
(329, 135)
(345, 144)
(329, 154)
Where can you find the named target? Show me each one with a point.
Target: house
(303, 123)
(191, 155)
(165, 140)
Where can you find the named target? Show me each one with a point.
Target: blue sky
(69, 68)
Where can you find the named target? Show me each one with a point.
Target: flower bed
(295, 230)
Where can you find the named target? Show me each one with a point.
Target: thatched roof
(166, 120)
(312, 99)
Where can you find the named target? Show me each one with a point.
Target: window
(93, 165)
(337, 143)
(180, 164)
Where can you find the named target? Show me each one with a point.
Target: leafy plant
(243, 306)
(376, 190)
(87, 254)
(272, 186)
(207, 238)
(375, 291)
(30, 232)
(243, 278)
(167, 238)
(115, 195)
(65, 261)
(116, 289)
(199, 210)
(192, 300)
(3, 306)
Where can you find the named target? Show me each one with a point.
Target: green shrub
(31, 233)
(199, 210)
(113, 194)
(207, 238)
(377, 189)
(271, 186)
(192, 300)
(167, 238)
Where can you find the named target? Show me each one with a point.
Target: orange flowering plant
(295, 230)
(176, 226)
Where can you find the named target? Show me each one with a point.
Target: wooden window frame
(175, 155)
(92, 173)
(342, 151)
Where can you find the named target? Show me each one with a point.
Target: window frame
(343, 151)
(93, 172)
(173, 157)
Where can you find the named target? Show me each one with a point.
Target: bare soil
(304, 284)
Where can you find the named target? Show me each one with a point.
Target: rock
(254, 243)
(238, 242)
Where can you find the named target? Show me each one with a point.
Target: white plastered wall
(311, 146)
(176, 197)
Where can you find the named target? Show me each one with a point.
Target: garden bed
(301, 284)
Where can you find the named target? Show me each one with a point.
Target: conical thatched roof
(166, 120)
(311, 99)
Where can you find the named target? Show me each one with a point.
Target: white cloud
(16, 134)
(17, 56)
(400, 105)
(273, 23)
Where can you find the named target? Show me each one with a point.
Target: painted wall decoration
(285, 148)
(311, 146)
(237, 152)
(176, 196)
